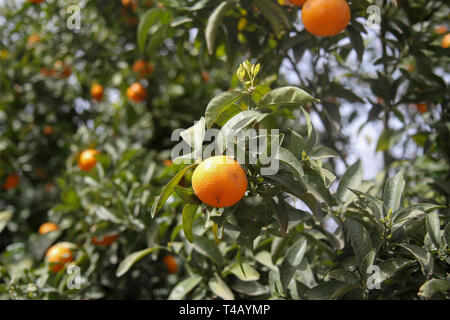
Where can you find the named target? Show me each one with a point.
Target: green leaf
(274, 14)
(390, 267)
(5, 216)
(424, 258)
(288, 183)
(316, 186)
(187, 195)
(286, 96)
(168, 189)
(207, 248)
(392, 194)
(189, 211)
(219, 104)
(151, 17)
(131, 259)
(429, 288)
(280, 212)
(388, 139)
(322, 152)
(344, 276)
(411, 211)
(249, 288)
(220, 288)
(351, 179)
(360, 239)
(330, 290)
(434, 229)
(183, 287)
(245, 272)
(292, 260)
(446, 235)
(214, 21)
(376, 204)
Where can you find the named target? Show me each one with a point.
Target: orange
(422, 108)
(34, 38)
(142, 68)
(219, 181)
(171, 264)
(297, 3)
(136, 92)
(126, 3)
(11, 181)
(36, 1)
(58, 255)
(167, 162)
(205, 76)
(48, 130)
(446, 41)
(325, 17)
(440, 29)
(105, 240)
(97, 92)
(87, 161)
(47, 227)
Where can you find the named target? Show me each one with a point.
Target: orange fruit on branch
(97, 92)
(11, 181)
(48, 130)
(87, 160)
(445, 43)
(105, 240)
(422, 108)
(142, 68)
(47, 227)
(171, 264)
(58, 256)
(440, 29)
(297, 3)
(325, 18)
(136, 92)
(219, 181)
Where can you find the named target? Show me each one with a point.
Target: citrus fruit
(171, 264)
(11, 181)
(97, 92)
(48, 130)
(87, 161)
(219, 181)
(142, 68)
(47, 227)
(105, 240)
(325, 17)
(422, 108)
(136, 92)
(440, 29)
(58, 255)
(446, 41)
(297, 3)
(36, 1)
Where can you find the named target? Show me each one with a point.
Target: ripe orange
(58, 255)
(48, 130)
(105, 240)
(136, 92)
(325, 17)
(219, 181)
(87, 161)
(34, 38)
(143, 68)
(47, 227)
(97, 92)
(297, 3)
(422, 108)
(446, 41)
(126, 3)
(171, 264)
(167, 162)
(205, 76)
(11, 181)
(440, 29)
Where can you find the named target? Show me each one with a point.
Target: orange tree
(131, 221)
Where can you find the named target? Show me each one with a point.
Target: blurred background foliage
(395, 77)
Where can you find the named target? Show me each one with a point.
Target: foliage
(305, 232)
